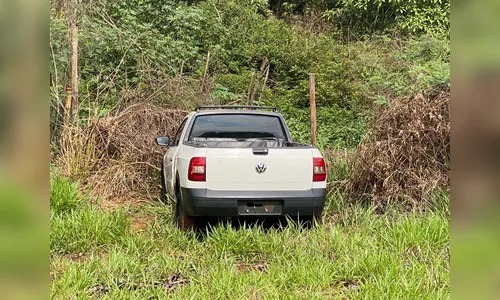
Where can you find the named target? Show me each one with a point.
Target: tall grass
(64, 196)
(356, 254)
(76, 224)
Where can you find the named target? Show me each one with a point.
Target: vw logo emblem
(260, 168)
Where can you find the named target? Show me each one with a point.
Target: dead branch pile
(406, 153)
(117, 156)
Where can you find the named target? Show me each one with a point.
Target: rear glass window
(237, 126)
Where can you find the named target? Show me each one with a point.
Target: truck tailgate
(240, 169)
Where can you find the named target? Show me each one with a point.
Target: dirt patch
(110, 204)
(173, 282)
(261, 267)
(140, 223)
(79, 257)
(406, 154)
(352, 285)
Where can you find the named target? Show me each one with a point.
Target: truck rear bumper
(204, 202)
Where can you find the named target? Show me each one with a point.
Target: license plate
(260, 207)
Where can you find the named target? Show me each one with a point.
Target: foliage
(366, 54)
(359, 17)
(336, 126)
(392, 68)
(134, 50)
(64, 195)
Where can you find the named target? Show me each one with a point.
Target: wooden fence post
(312, 102)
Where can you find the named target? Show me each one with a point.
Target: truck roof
(231, 111)
(258, 110)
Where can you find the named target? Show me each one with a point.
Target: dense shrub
(405, 157)
(353, 18)
(118, 156)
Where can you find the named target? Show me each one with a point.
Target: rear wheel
(181, 219)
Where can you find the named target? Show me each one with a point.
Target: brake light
(319, 169)
(197, 169)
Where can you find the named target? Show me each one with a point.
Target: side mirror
(163, 141)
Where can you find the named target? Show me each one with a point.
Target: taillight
(197, 169)
(319, 169)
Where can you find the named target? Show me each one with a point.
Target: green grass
(355, 254)
(76, 225)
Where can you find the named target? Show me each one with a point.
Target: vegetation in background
(352, 18)
(180, 54)
(155, 51)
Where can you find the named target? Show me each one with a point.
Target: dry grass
(118, 156)
(406, 153)
(78, 152)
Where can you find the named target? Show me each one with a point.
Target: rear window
(238, 126)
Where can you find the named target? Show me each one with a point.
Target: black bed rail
(237, 107)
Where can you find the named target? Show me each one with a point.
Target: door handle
(260, 151)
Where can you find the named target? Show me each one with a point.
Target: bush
(118, 155)
(405, 157)
(389, 68)
(359, 17)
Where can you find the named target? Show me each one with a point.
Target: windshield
(237, 126)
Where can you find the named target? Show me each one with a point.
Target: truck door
(170, 159)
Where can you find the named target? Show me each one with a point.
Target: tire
(183, 221)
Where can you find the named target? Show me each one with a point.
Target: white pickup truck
(235, 161)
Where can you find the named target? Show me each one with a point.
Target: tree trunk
(264, 84)
(259, 78)
(204, 78)
(312, 99)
